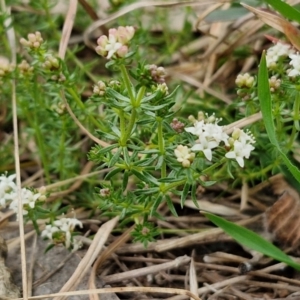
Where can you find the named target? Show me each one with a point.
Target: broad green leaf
(285, 9)
(251, 240)
(265, 100)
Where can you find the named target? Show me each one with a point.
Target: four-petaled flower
(211, 135)
(116, 44)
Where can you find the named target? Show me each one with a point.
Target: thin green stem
(127, 134)
(62, 147)
(122, 125)
(78, 101)
(37, 130)
(173, 185)
(264, 171)
(161, 146)
(128, 84)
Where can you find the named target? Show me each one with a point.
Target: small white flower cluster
(7, 188)
(244, 80)
(284, 50)
(34, 40)
(295, 63)
(99, 88)
(115, 45)
(184, 155)
(241, 145)
(277, 51)
(210, 135)
(274, 83)
(8, 193)
(61, 232)
(5, 67)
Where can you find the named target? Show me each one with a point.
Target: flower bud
(99, 88)
(101, 48)
(177, 125)
(122, 51)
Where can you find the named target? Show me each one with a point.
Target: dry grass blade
(32, 263)
(122, 290)
(193, 277)
(182, 260)
(209, 234)
(12, 41)
(67, 29)
(201, 86)
(279, 23)
(89, 258)
(243, 122)
(104, 255)
(91, 136)
(134, 6)
(89, 9)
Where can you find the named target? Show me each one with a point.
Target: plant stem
(78, 101)
(62, 148)
(135, 102)
(128, 84)
(161, 146)
(170, 186)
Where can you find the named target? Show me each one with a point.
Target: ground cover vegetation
(142, 126)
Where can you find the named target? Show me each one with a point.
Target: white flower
(65, 226)
(295, 63)
(242, 146)
(77, 244)
(197, 129)
(275, 52)
(28, 198)
(48, 231)
(215, 132)
(115, 45)
(112, 46)
(73, 222)
(205, 146)
(7, 183)
(210, 135)
(240, 151)
(7, 188)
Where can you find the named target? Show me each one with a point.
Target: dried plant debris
(7, 287)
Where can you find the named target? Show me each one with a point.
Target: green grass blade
(285, 9)
(251, 240)
(265, 100)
